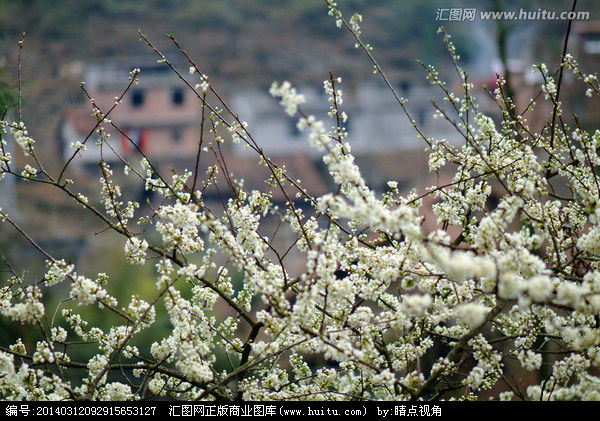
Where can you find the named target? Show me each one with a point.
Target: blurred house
(587, 53)
(588, 33)
(376, 122)
(159, 114)
(162, 116)
(254, 175)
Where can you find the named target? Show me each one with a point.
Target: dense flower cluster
(290, 98)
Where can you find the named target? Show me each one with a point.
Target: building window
(404, 87)
(177, 96)
(137, 98)
(293, 125)
(176, 134)
(421, 115)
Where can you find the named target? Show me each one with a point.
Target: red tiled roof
(254, 174)
(81, 120)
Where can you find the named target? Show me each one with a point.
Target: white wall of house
(376, 121)
(92, 153)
